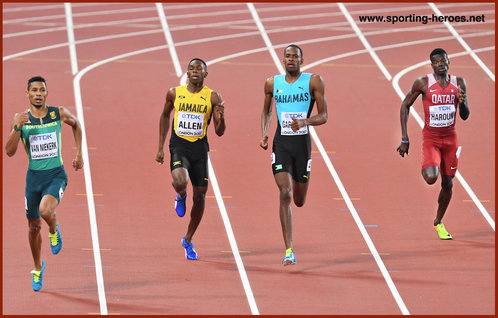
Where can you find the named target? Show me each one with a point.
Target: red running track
(143, 264)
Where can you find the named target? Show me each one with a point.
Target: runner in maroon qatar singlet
(442, 96)
(440, 144)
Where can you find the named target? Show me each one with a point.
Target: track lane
(219, 262)
(73, 266)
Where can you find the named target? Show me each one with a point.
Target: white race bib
(442, 115)
(286, 121)
(190, 124)
(43, 146)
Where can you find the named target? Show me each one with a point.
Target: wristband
(405, 141)
(17, 129)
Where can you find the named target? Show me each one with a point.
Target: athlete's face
(37, 94)
(440, 64)
(196, 72)
(292, 59)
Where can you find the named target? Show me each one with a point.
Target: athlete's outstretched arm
(317, 89)
(13, 141)
(71, 120)
(266, 113)
(164, 123)
(218, 113)
(417, 89)
(463, 103)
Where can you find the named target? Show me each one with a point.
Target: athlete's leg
(35, 241)
(180, 180)
(47, 211)
(301, 169)
(199, 198)
(431, 157)
(284, 183)
(430, 174)
(444, 197)
(300, 190)
(449, 164)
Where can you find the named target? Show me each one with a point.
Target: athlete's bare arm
(266, 113)
(218, 113)
(418, 87)
(164, 123)
(317, 90)
(13, 141)
(463, 103)
(71, 120)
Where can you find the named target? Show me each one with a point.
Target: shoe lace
(36, 275)
(54, 240)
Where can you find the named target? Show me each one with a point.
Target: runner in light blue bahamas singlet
(292, 100)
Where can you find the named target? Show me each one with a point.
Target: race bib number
(286, 121)
(442, 115)
(43, 146)
(190, 124)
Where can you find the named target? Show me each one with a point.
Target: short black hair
(36, 79)
(200, 60)
(294, 46)
(437, 52)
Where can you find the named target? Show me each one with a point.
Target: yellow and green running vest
(42, 140)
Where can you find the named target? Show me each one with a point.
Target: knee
(447, 185)
(430, 179)
(34, 228)
(285, 194)
(45, 212)
(179, 184)
(430, 174)
(199, 198)
(299, 201)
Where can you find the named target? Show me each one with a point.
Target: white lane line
(70, 38)
(347, 199)
(233, 243)
(360, 225)
(419, 120)
(265, 37)
(86, 166)
(224, 215)
(463, 43)
(364, 40)
(169, 39)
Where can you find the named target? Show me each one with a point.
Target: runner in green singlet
(39, 128)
